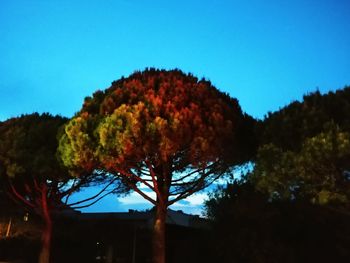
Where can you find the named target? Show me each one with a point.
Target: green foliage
(304, 150)
(232, 194)
(32, 174)
(161, 130)
(317, 172)
(161, 122)
(291, 125)
(27, 148)
(293, 206)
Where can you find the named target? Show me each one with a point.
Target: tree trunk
(159, 234)
(44, 256)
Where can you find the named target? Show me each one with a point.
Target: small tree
(162, 132)
(32, 174)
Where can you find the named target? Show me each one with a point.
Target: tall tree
(163, 132)
(31, 172)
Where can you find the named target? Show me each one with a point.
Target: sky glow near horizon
(264, 53)
(112, 203)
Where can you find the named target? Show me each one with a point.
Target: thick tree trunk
(159, 234)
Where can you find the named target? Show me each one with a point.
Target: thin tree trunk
(44, 256)
(159, 234)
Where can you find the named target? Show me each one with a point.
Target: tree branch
(154, 179)
(20, 197)
(96, 195)
(196, 187)
(95, 201)
(137, 178)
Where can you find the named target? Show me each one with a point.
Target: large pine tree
(165, 133)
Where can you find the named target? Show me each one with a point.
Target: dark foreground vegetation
(96, 241)
(245, 228)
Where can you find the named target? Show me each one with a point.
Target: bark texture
(159, 234)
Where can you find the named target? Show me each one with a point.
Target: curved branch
(196, 187)
(95, 201)
(96, 195)
(137, 190)
(20, 197)
(193, 172)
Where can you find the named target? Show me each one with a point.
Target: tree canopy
(163, 132)
(161, 121)
(319, 172)
(27, 156)
(295, 200)
(304, 150)
(288, 127)
(28, 145)
(29, 168)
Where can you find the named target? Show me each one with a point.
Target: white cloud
(196, 199)
(194, 205)
(192, 201)
(135, 198)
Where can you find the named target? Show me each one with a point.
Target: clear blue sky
(265, 53)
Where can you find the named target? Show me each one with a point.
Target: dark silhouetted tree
(319, 172)
(294, 205)
(288, 127)
(304, 149)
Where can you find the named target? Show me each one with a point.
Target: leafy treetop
(291, 125)
(156, 127)
(27, 148)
